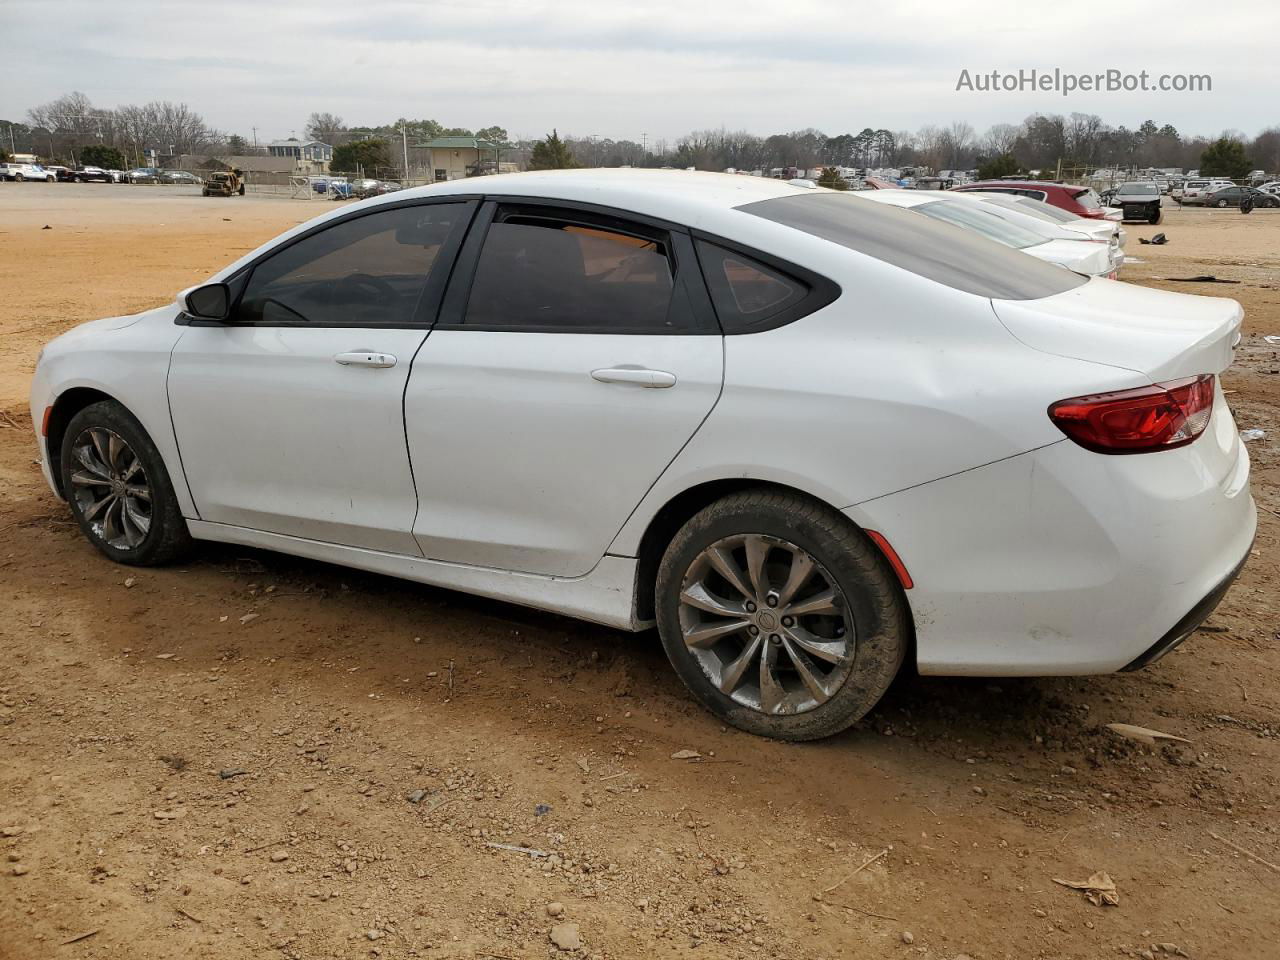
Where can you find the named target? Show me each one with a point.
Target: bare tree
(1000, 139)
(325, 127)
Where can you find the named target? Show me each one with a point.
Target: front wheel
(1154, 216)
(19, 177)
(780, 615)
(1222, 203)
(118, 488)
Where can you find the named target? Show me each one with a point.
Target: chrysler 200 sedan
(810, 437)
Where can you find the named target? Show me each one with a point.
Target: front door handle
(640, 376)
(365, 358)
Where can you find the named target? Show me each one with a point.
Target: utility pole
(404, 139)
(644, 148)
(255, 136)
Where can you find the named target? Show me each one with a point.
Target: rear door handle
(640, 376)
(365, 358)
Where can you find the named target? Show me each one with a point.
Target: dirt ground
(218, 759)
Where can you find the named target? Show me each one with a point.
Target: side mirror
(209, 302)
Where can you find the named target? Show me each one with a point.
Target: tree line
(1047, 142)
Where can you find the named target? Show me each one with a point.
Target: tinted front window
(929, 248)
(1139, 189)
(367, 271)
(1045, 210)
(990, 225)
(541, 272)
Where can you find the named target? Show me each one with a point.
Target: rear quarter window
(929, 248)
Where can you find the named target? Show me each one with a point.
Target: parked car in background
(142, 175)
(1099, 230)
(1042, 240)
(581, 431)
(27, 171)
(1272, 187)
(178, 177)
(62, 174)
(94, 174)
(1194, 191)
(1231, 197)
(1080, 201)
(1138, 200)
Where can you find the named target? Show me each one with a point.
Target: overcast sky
(620, 69)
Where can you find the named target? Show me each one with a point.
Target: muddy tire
(118, 488)
(815, 665)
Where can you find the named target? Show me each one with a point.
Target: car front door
(576, 354)
(289, 416)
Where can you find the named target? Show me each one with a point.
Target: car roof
(681, 196)
(1020, 184)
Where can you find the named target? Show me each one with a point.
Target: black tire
(167, 537)
(1154, 217)
(1222, 203)
(876, 604)
(19, 177)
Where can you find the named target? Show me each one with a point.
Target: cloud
(618, 69)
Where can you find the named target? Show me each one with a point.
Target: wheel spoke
(707, 635)
(135, 518)
(832, 651)
(111, 521)
(133, 470)
(698, 596)
(731, 675)
(823, 602)
(83, 478)
(115, 446)
(802, 567)
(724, 564)
(771, 691)
(85, 454)
(102, 443)
(139, 491)
(813, 683)
(757, 552)
(95, 509)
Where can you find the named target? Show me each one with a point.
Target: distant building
(256, 168)
(452, 158)
(309, 156)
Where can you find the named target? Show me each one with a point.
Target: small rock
(565, 936)
(686, 755)
(416, 796)
(249, 618)
(375, 934)
(231, 772)
(908, 937)
(19, 869)
(279, 856)
(1039, 913)
(642, 903)
(541, 809)
(555, 909)
(10, 831)
(130, 581)
(168, 814)
(979, 791)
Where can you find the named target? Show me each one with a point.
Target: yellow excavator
(223, 184)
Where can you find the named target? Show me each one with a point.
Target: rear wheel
(19, 177)
(1222, 203)
(118, 488)
(780, 615)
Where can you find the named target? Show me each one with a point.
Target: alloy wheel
(767, 624)
(111, 488)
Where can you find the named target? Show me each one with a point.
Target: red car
(1081, 201)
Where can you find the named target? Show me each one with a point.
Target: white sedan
(1022, 231)
(1099, 230)
(806, 434)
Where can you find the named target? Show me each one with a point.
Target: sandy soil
(178, 777)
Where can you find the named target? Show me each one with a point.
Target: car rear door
(575, 355)
(289, 417)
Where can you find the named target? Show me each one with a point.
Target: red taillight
(1158, 417)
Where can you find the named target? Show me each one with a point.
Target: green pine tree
(551, 154)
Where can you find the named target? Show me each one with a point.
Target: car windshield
(1139, 189)
(1027, 207)
(927, 247)
(1087, 199)
(972, 217)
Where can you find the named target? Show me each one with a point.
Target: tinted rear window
(938, 251)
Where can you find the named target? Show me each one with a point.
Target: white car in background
(26, 171)
(805, 433)
(1041, 239)
(1194, 191)
(1102, 231)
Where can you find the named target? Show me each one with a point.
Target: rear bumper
(1063, 562)
(1191, 622)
